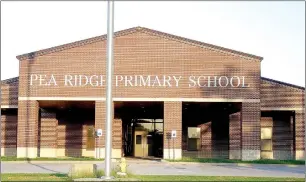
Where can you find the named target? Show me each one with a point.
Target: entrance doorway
(141, 138)
(141, 144)
(147, 137)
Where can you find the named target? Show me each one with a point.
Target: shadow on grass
(261, 161)
(59, 175)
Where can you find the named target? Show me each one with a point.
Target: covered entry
(66, 129)
(142, 128)
(211, 129)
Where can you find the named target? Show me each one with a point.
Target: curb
(144, 162)
(54, 162)
(234, 164)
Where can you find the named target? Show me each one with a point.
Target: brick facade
(250, 135)
(142, 51)
(47, 141)
(300, 135)
(8, 133)
(172, 121)
(27, 128)
(277, 96)
(235, 135)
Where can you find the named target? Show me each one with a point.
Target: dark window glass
(149, 140)
(192, 144)
(138, 139)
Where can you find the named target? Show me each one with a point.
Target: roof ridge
(74, 44)
(202, 43)
(283, 83)
(128, 31)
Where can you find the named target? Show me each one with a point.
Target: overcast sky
(273, 30)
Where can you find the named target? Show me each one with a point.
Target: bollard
(122, 167)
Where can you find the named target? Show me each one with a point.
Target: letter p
(33, 77)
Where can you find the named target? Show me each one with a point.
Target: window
(266, 145)
(194, 132)
(138, 139)
(193, 144)
(194, 138)
(266, 133)
(149, 140)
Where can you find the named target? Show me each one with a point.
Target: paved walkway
(167, 168)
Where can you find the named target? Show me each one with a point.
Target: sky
(273, 30)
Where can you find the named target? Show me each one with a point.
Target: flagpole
(109, 100)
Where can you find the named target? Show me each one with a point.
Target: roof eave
(127, 31)
(283, 83)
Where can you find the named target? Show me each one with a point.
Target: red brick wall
(282, 125)
(48, 130)
(274, 94)
(9, 131)
(72, 133)
(138, 53)
(100, 123)
(28, 118)
(250, 135)
(142, 53)
(299, 130)
(9, 92)
(206, 136)
(235, 132)
(282, 134)
(173, 121)
(146, 53)
(117, 134)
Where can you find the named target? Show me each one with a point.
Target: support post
(109, 100)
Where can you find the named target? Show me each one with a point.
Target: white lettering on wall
(177, 80)
(143, 82)
(68, 78)
(225, 79)
(192, 79)
(200, 81)
(238, 81)
(33, 77)
(209, 81)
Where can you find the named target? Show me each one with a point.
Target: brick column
(235, 135)
(100, 117)
(250, 135)
(299, 135)
(206, 141)
(117, 138)
(27, 135)
(48, 134)
(8, 135)
(292, 147)
(172, 121)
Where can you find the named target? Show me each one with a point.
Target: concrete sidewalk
(166, 168)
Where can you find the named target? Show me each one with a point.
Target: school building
(172, 97)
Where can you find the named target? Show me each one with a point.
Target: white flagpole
(109, 99)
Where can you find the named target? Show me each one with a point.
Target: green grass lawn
(34, 177)
(261, 161)
(212, 178)
(63, 177)
(51, 159)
